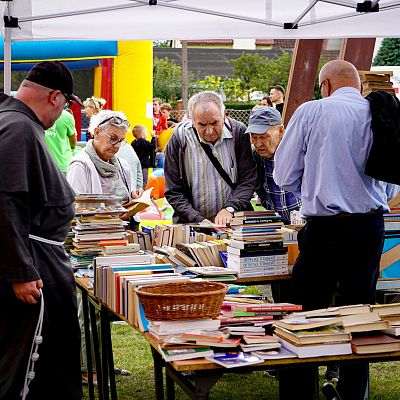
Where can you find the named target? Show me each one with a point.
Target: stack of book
(373, 81)
(246, 309)
(97, 219)
(313, 337)
(392, 224)
(116, 278)
(256, 246)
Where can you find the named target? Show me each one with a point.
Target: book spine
(231, 320)
(249, 220)
(292, 307)
(258, 259)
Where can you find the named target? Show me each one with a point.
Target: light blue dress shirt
(323, 153)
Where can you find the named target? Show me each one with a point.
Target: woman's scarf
(108, 170)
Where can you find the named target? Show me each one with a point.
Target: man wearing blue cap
(266, 131)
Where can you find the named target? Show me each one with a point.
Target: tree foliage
(255, 72)
(388, 53)
(167, 79)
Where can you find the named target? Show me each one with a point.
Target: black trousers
(336, 253)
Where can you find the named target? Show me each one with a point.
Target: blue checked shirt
(271, 195)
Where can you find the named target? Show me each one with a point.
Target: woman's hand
(137, 193)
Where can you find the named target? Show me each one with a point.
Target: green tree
(277, 71)
(388, 53)
(167, 80)
(249, 70)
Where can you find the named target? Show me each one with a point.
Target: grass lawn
(132, 352)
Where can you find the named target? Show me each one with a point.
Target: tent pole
(7, 61)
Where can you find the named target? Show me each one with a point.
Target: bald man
(321, 159)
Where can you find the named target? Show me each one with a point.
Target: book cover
(318, 350)
(375, 343)
(234, 359)
(276, 354)
(269, 307)
(299, 323)
(185, 354)
(326, 334)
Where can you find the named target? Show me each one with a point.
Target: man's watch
(230, 209)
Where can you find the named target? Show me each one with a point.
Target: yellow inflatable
(164, 137)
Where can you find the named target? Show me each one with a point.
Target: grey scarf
(110, 170)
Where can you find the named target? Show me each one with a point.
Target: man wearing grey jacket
(209, 169)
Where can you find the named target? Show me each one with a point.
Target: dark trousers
(336, 253)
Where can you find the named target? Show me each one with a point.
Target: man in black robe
(36, 208)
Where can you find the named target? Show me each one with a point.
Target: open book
(136, 205)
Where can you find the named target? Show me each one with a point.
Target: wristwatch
(230, 209)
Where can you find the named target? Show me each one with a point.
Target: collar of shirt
(346, 89)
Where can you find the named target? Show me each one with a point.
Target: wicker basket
(182, 300)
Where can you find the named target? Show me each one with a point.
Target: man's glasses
(116, 121)
(68, 101)
(114, 140)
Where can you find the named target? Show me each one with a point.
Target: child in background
(159, 120)
(144, 149)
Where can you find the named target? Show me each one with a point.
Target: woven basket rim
(142, 290)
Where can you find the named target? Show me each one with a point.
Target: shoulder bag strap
(217, 165)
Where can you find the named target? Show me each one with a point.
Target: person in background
(165, 110)
(93, 106)
(130, 156)
(144, 149)
(61, 139)
(195, 189)
(266, 132)
(36, 209)
(159, 120)
(277, 96)
(321, 159)
(266, 102)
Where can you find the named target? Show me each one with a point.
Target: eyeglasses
(68, 101)
(114, 140)
(116, 121)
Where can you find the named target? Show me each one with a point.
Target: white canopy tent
(26, 20)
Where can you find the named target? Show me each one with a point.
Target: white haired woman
(97, 169)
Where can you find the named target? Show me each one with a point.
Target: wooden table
(197, 377)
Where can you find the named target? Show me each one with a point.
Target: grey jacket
(177, 190)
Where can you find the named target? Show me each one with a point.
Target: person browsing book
(97, 168)
(36, 209)
(209, 168)
(266, 132)
(321, 159)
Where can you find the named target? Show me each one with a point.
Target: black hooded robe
(35, 199)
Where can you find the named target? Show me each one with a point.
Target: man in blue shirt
(321, 159)
(266, 131)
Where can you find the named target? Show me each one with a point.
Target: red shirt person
(159, 120)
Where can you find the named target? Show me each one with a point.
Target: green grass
(132, 352)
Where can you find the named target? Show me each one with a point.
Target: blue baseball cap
(263, 118)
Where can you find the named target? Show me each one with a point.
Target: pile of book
(173, 235)
(200, 254)
(116, 278)
(252, 312)
(392, 224)
(97, 220)
(256, 245)
(183, 340)
(358, 328)
(373, 81)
